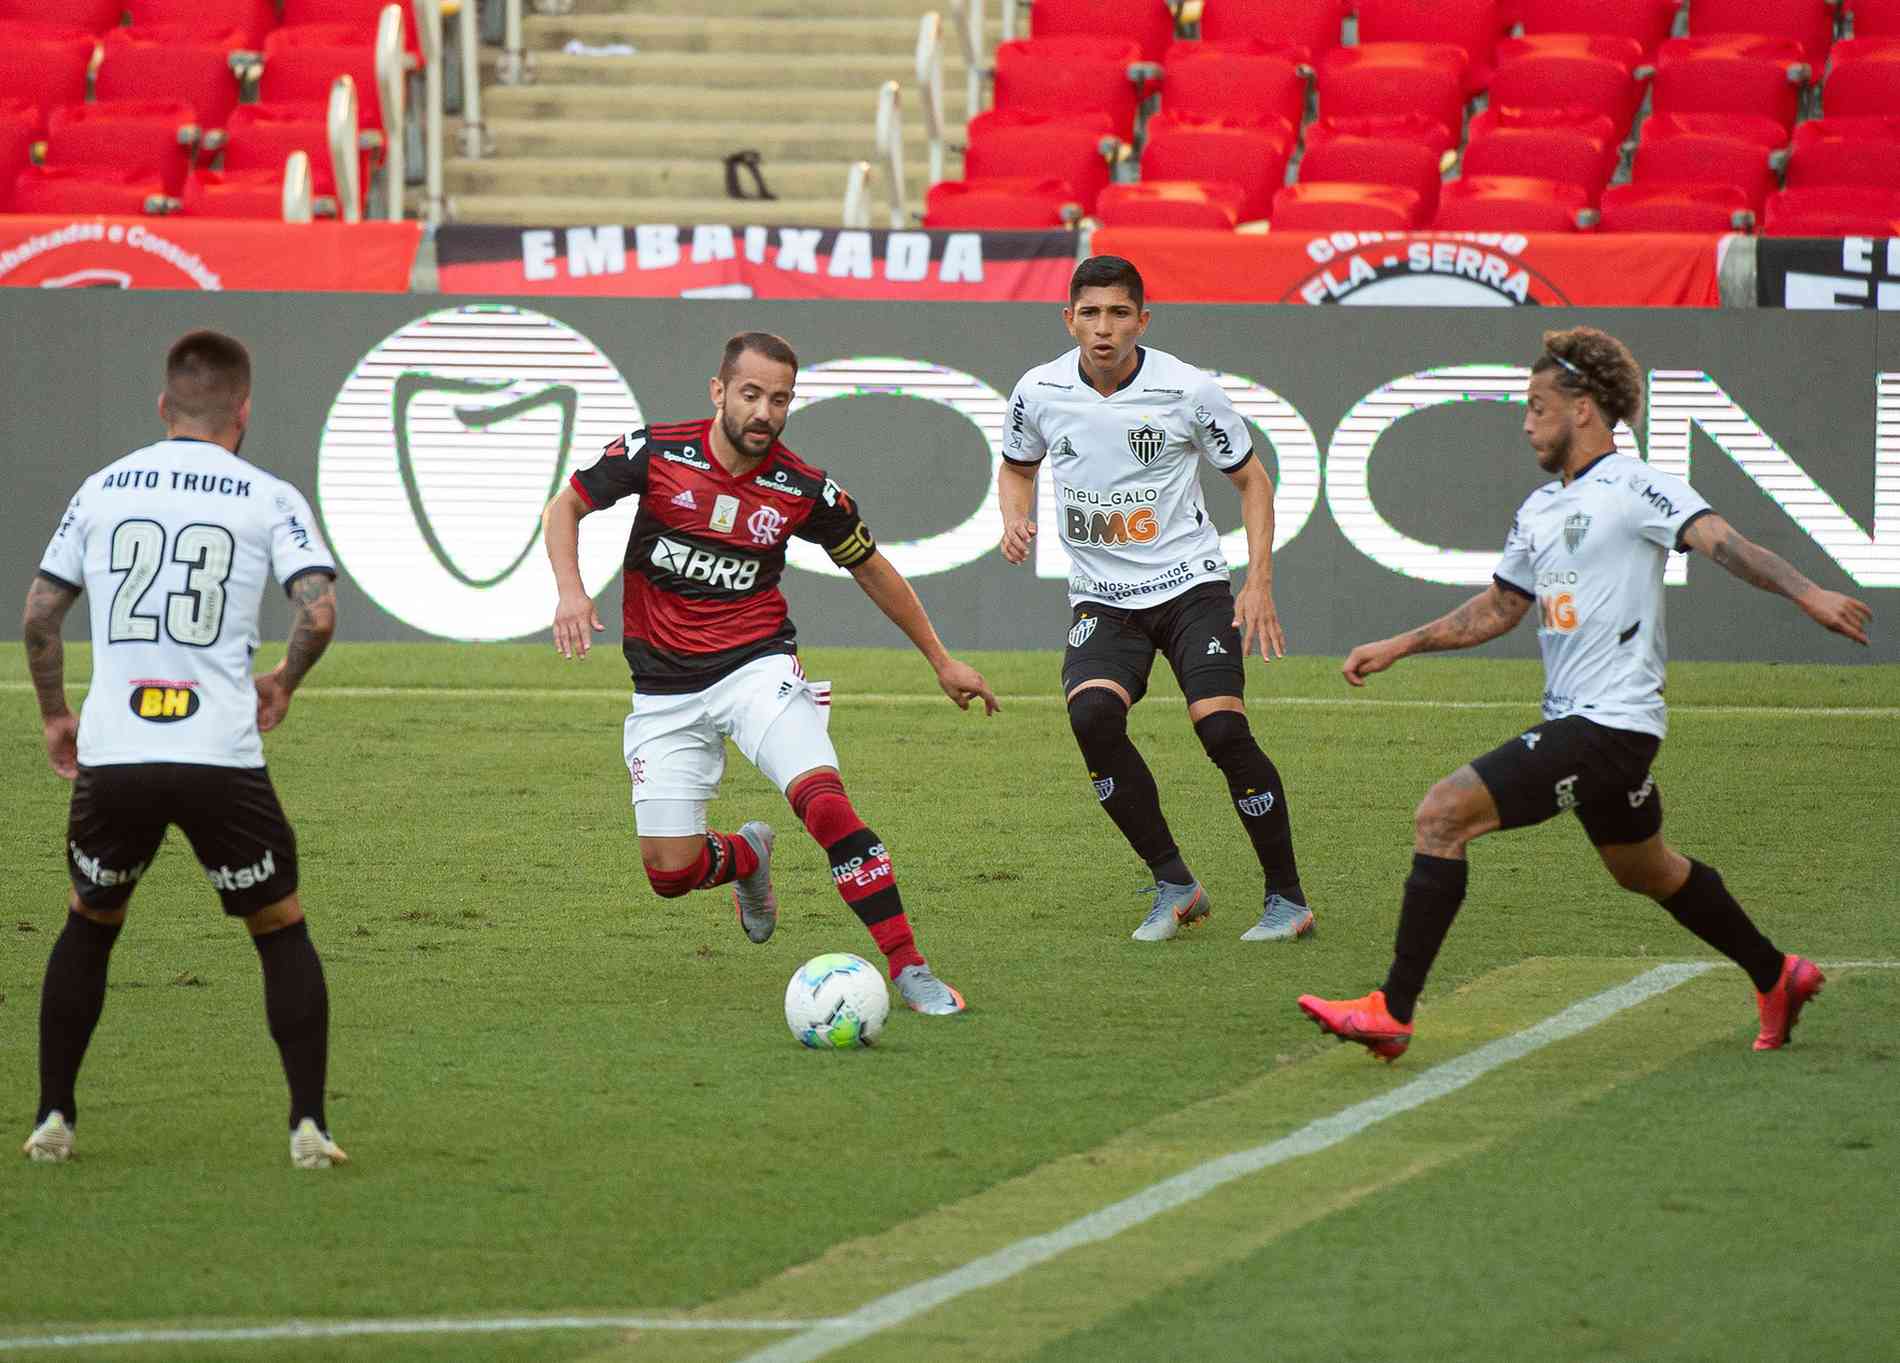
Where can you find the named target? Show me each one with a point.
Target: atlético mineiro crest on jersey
(1146, 442)
(1104, 787)
(1079, 635)
(1255, 805)
(1575, 528)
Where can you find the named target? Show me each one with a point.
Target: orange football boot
(1363, 1020)
(1780, 1007)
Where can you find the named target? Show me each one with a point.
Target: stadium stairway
(644, 137)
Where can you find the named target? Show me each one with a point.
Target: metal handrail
(475, 141)
(514, 67)
(429, 29)
(391, 77)
(890, 145)
(971, 21)
(929, 66)
(1009, 20)
(346, 154)
(299, 204)
(857, 195)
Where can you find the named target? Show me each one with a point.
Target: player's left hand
(1841, 614)
(963, 684)
(273, 699)
(62, 744)
(1254, 614)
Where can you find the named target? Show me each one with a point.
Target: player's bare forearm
(561, 533)
(1764, 568)
(1256, 514)
(1484, 617)
(313, 598)
(46, 605)
(1016, 498)
(892, 593)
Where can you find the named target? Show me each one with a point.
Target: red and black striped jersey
(707, 550)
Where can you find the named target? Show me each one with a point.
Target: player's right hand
(62, 744)
(1841, 614)
(575, 624)
(1018, 535)
(1366, 659)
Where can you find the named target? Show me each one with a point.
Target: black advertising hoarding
(1828, 273)
(429, 431)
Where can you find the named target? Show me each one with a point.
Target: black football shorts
(229, 815)
(1195, 631)
(1572, 763)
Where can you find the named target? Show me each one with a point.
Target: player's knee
(1098, 717)
(670, 882)
(1441, 818)
(1225, 736)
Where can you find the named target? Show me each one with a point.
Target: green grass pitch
(564, 1095)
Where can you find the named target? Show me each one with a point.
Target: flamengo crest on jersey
(1128, 494)
(1591, 555)
(173, 545)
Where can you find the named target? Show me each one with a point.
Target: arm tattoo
(46, 606)
(1756, 566)
(1484, 616)
(314, 597)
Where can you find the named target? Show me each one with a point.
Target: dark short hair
(758, 343)
(207, 378)
(1107, 272)
(1594, 364)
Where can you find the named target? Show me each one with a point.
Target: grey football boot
(1281, 921)
(757, 904)
(923, 992)
(1175, 906)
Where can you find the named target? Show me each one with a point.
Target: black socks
(297, 1006)
(71, 1000)
(1433, 893)
(1259, 797)
(1705, 907)
(1123, 783)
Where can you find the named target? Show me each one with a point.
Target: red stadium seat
(1626, 52)
(1760, 129)
(1214, 205)
(1685, 159)
(1328, 206)
(1865, 86)
(1875, 18)
(1846, 151)
(1250, 88)
(235, 194)
(1469, 25)
(1068, 76)
(1694, 79)
(87, 189)
(19, 129)
(1426, 131)
(261, 136)
(1647, 21)
(302, 63)
(1577, 117)
(1510, 203)
(1015, 203)
(1253, 158)
(154, 140)
(1375, 161)
(1306, 29)
(1833, 211)
(172, 64)
(361, 15)
(94, 16)
(1395, 78)
(46, 73)
(1569, 155)
(1674, 208)
(1808, 22)
(1149, 23)
(252, 19)
(1568, 80)
(1042, 149)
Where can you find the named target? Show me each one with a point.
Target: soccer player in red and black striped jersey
(713, 653)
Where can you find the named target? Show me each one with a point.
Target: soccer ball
(836, 1001)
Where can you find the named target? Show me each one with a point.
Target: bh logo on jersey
(163, 704)
(703, 565)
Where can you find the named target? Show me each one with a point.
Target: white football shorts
(676, 745)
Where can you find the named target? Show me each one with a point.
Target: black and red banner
(1830, 273)
(1433, 269)
(206, 253)
(711, 260)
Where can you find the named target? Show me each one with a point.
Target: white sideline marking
(318, 691)
(344, 1329)
(900, 1306)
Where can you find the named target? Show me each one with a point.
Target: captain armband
(854, 548)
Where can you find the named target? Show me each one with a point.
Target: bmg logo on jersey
(703, 565)
(164, 702)
(440, 452)
(1139, 526)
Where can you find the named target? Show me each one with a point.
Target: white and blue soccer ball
(837, 1002)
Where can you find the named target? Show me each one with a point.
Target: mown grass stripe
(897, 1307)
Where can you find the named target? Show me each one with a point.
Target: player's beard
(736, 435)
(1553, 459)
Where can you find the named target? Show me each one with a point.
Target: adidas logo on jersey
(685, 499)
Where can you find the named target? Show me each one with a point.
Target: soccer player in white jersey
(174, 543)
(1124, 426)
(1588, 552)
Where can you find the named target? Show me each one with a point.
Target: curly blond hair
(1596, 365)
